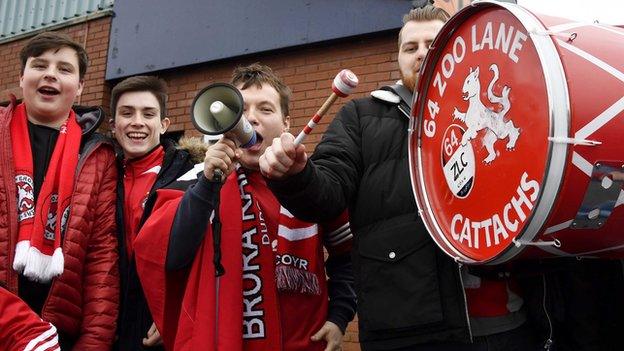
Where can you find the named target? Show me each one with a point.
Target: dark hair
(257, 74)
(152, 84)
(49, 41)
(425, 13)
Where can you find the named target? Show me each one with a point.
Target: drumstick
(344, 83)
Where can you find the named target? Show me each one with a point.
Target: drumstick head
(344, 83)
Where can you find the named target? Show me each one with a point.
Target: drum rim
(558, 105)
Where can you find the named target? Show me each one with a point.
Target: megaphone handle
(216, 232)
(217, 176)
(316, 118)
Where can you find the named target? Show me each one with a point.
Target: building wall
(309, 72)
(221, 29)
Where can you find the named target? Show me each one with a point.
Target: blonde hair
(424, 14)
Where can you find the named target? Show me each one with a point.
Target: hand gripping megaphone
(218, 109)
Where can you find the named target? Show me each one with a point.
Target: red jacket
(83, 301)
(193, 314)
(21, 328)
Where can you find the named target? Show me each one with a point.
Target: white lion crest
(478, 116)
(26, 198)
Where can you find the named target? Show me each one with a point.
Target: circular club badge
(458, 162)
(484, 133)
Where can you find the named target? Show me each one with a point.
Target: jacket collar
(89, 118)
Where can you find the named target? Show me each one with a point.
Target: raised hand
(283, 158)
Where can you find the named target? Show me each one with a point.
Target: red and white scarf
(38, 253)
(195, 310)
(262, 327)
(294, 248)
(284, 262)
(297, 255)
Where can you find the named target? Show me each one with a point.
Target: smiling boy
(149, 162)
(57, 244)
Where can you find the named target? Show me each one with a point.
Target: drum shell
(593, 91)
(583, 67)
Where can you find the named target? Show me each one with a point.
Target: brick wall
(309, 72)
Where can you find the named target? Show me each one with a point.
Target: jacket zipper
(549, 341)
(122, 245)
(461, 282)
(11, 274)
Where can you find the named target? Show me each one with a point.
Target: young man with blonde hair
(272, 293)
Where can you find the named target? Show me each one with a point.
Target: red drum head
(491, 95)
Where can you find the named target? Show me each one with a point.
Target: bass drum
(516, 136)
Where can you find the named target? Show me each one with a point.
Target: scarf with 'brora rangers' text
(38, 253)
(261, 323)
(280, 254)
(194, 309)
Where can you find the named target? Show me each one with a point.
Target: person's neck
(56, 124)
(139, 158)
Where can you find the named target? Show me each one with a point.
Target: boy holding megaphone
(224, 254)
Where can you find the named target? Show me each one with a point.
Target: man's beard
(410, 82)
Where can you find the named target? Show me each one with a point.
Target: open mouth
(465, 95)
(48, 91)
(136, 136)
(258, 144)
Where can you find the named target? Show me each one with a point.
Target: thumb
(319, 334)
(301, 156)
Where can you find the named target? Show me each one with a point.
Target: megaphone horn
(218, 109)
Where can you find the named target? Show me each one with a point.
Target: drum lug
(601, 195)
(569, 37)
(519, 243)
(574, 141)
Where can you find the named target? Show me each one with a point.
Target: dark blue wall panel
(152, 35)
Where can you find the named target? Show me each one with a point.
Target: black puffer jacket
(409, 292)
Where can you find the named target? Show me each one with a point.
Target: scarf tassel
(297, 280)
(35, 265)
